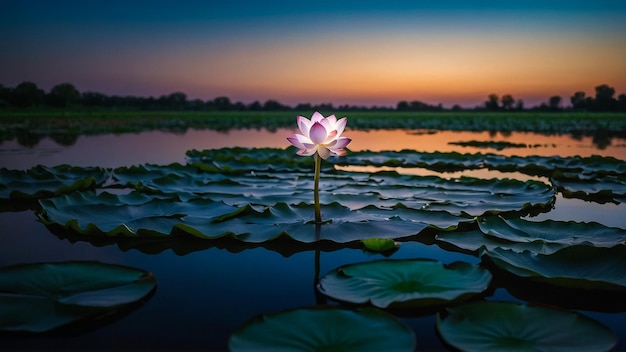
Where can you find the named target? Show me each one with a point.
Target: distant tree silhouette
(94, 99)
(223, 103)
(507, 101)
(273, 105)
(492, 102)
(27, 94)
(255, 106)
(621, 102)
(175, 101)
(554, 103)
(604, 98)
(63, 95)
(5, 96)
(578, 101)
(304, 107)
(402, 106)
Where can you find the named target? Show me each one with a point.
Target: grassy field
(112, 121)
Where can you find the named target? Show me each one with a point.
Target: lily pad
(463, 196)
(552, 232)
(597, 189)
(380, 244)
(474, 241)
(42, 181)
(330, 329)
(583, 267)
(44, 296)
(503, 326)
(139, 215)
(404, 283)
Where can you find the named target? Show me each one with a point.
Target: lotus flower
(321, 135)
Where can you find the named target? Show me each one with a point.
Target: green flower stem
(316, 190)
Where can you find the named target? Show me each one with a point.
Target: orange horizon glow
(374, 60)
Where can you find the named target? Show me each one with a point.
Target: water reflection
(158, 147)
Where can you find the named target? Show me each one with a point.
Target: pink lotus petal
(342, 143)
(306, 152)
(317, 117)
(326, 123)
(318, 133)
(332, 120)
(323, 152)
(305, 125)
(295, 142)
(341, 125)
(340, 152)
(331, 136)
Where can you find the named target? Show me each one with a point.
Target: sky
(341, 52)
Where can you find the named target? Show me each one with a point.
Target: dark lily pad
(602, 189)
(552, 232)
(500, 326)
(41, 297)
(497, 145)
(139, 215)
(463, 196)
(404, 283)
(42, 181)
(473, 241)
(330, 329)
(583, 267)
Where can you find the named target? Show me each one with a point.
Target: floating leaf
(552, 232)
(497, 145)
(380, 244)
(576, 267)
(404, 283)
(42, 181)
(331, 329)
(463, 196)
(500, 326)
(597, 189)
(139, 215)
(473, 241)
(45, 296)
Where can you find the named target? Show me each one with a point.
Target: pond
(210, 289)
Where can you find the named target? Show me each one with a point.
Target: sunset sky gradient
(344, 52)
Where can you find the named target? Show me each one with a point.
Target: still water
(203, 296)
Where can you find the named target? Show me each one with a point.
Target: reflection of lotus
(320, 134)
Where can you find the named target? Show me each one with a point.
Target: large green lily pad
(404, 283)
(500, 326)
(583, 267)
(139, 215)
(44, 296)
(324, 329)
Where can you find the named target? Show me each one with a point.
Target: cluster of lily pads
(243, 198)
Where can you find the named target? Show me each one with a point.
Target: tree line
(28, 94)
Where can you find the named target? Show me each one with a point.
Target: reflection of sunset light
(163, 148)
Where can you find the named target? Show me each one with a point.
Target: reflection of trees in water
(64, 139)
(27, 138)
(577, 135)
(602, 139)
